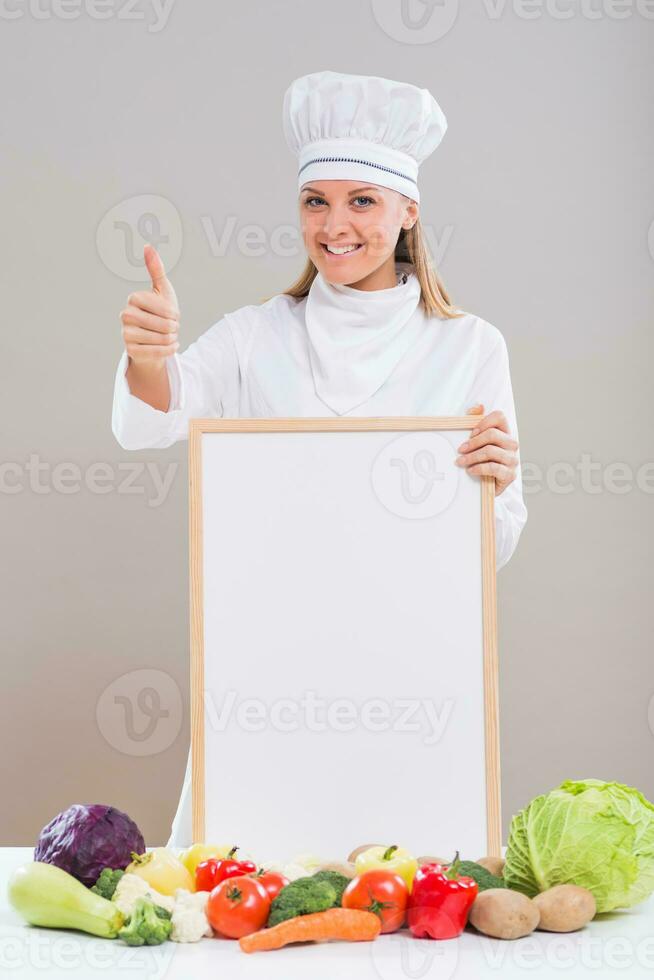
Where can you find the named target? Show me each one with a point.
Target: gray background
(540, 203)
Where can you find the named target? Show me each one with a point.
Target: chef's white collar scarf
(357, 336)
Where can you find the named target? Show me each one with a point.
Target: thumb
(160, 282)
(476, 410)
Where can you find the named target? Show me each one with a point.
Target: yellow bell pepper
(162, 870)
(394, 858)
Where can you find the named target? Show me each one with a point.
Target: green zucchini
(45, 895)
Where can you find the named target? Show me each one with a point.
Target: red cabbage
(88, 837)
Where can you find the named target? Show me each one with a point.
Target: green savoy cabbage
(590, 833)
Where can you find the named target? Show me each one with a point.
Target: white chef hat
(361, 127)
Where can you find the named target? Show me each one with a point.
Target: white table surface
(613, 944)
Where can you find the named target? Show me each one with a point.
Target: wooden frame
(488, 572)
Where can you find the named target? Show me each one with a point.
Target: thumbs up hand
(151, 318)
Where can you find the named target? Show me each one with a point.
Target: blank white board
(344, 674)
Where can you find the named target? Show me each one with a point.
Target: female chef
(367, 329)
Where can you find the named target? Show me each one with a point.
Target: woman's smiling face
(350, 229)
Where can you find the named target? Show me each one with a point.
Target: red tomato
(381, 892)
(238, 906)
(272, 881)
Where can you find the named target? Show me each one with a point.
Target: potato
(493, 864)
(359, 850)
(345, 868)
(428, 859)
(565, 908)
(504, 914)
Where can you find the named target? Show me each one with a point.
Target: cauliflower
(130, 887)
(309, 861)
(189, 920)
(290, 869)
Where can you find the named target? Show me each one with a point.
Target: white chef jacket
(255, 363)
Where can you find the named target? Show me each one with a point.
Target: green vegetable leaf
(595, 834)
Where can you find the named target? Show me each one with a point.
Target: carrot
(352, 924)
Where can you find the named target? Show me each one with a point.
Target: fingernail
(474, 432)
(462, 447)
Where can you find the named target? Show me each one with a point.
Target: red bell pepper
(440, 901)
(210, 873)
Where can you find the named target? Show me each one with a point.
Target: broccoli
(301, 897)
(484, 878)
(106, 883)
(338, 882)
(148, 925)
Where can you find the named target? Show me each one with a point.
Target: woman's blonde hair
(411, 246)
